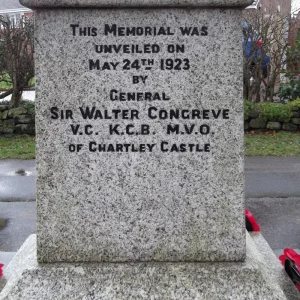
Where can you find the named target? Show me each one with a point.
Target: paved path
(20, 218)
(273, 197)
(272, 177)
(17, 222)
(14, 187)
(17, 219)
(279, 219)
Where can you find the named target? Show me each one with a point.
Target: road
(272, 177)
(17, 204)
(14, 187)
(272, 195)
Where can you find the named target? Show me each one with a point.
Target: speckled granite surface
(249, 280)
(158, 199)
(133, 3)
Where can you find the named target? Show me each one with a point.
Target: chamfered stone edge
(134, 3)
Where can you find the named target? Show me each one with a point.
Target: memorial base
(259, 277)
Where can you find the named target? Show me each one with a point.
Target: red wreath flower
(290, 259)
(251, 223)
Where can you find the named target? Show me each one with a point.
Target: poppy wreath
(290, 259)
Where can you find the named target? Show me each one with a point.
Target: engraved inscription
(131, 123)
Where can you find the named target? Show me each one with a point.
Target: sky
(295, 5)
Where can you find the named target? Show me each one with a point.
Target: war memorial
(140, 186)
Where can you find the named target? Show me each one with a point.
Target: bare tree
(16, 56)
(293, 53)
(265, 45)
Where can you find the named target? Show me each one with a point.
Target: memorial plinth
(139, 135)
(253, 279)
(140, 186)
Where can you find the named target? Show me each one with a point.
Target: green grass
(17, 147)
(272, 143)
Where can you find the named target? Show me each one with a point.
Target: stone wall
(256, 123)
(16, 120)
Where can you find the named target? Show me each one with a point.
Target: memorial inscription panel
(139, 135)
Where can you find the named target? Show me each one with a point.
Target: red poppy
(251, 223)
(290, 259)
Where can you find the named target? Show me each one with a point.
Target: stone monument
(140, 188)
(139, 134)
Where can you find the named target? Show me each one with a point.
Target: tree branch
(5, 94)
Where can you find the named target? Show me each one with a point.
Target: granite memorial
(140, 188)
(139, 135)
